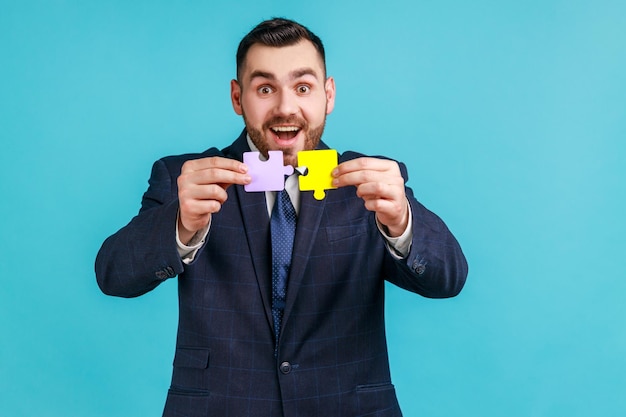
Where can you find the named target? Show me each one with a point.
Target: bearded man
(262, 333)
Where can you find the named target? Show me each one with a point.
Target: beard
(312, 136)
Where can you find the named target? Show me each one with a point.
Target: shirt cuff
(188, 252)
(400, 246)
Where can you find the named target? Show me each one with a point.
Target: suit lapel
(256, 225)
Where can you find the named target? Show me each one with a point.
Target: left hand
(379, 183)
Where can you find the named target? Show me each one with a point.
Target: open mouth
(285, 133)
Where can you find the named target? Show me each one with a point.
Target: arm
(435, 265)
(145, 253)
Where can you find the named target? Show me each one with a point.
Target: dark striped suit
(332, 354)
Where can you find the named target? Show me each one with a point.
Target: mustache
(291, 120)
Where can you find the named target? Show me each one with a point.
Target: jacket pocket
(377, 400)
(183, 404)
(338, 233)
(190, 376)
(374, 387)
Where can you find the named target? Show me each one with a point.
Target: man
(249, 342)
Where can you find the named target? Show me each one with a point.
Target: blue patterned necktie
(283, 231)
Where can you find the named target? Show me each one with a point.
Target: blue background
(509, 114)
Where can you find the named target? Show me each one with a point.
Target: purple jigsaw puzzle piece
(266, 175)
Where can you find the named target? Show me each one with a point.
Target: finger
(213, 176)
(220, 176)
(383, 208)
(214, 162)
(365, 164)
(202, 192)
(358, 178)
(378, 190)
(196, 204)
(197, 209)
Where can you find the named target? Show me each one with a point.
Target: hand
(202, 188)
(379, 183)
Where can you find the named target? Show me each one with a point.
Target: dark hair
(277, 32)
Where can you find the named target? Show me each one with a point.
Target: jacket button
(165, 273)
(285, 367)
(419, 268)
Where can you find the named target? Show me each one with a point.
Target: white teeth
(285, 129)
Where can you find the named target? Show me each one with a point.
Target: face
(284, 98)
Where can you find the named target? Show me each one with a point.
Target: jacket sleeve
(435, 266)
(143, 253)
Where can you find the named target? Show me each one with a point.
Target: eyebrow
(295, 74)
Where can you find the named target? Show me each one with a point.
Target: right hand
(202, 188)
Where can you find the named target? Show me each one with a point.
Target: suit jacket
(332, 353)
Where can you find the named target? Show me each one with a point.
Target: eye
(264, 90)
(303, 89)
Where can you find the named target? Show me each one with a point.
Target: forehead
(282, 61)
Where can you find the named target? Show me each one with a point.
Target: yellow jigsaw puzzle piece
(319, 164)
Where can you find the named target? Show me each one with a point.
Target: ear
(235, 96)
(329, 88)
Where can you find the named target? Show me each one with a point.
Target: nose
(287, 103)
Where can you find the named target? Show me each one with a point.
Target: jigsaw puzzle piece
(266, 175)
(319, 164)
